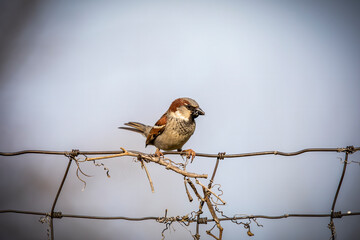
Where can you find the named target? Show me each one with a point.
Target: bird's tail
(137, 127)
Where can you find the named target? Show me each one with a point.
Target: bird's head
(185, 108)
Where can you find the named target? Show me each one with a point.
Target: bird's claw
(158, 153)
(190, 153)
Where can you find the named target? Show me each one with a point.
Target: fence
(207, 196)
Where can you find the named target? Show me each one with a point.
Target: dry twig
(157, 160)
(209, 190)
(147, 173)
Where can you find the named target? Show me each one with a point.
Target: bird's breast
(176, 134)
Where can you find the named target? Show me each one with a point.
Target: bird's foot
(158, 153)
(190, 154)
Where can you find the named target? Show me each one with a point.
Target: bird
(173, 129)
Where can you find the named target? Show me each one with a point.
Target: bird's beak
(198, 111)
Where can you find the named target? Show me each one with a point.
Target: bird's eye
(191, 108)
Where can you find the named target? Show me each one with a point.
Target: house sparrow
(173, 129)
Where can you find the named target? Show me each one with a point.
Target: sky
(270, 75)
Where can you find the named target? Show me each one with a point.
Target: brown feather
(175, 104)
(154, 132)
(132, 129)
(136, 127)
(157, 129)
(162, 121)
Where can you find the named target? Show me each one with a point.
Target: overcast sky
(270, 75)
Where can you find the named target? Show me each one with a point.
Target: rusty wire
(331, 224)
(353, 149)
(191, 219)
(194, 216)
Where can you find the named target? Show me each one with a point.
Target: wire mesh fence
(209, 196)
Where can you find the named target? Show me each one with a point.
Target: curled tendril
(217, 202)
(79, 170)
(167, 226)
(184, 221)
(105, 168)
(219, 211)
(342, 161)
(77, 161)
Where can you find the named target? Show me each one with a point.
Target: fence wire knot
(336, 214)
(74, 153)
(202, 220)
(221, 155)
(57, 215)
(350, 149)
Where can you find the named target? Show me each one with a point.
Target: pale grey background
(270, 75)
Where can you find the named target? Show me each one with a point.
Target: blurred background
(270, 75)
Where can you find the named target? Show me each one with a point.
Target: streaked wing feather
(157, 129)
(162, 121)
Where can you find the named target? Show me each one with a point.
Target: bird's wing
(157, 129)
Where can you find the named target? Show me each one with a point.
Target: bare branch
(209, 190)
(213, 214)
(157, 160)
(187, 191)
(147, 174)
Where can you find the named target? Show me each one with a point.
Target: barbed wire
(209, 197)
